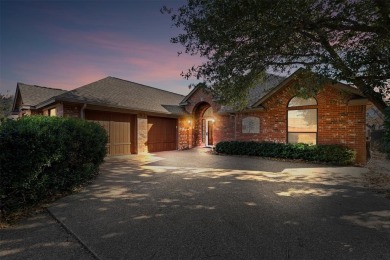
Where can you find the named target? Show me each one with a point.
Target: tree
(341, 40)
(5, 106)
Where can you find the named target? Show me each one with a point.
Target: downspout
(82, 111)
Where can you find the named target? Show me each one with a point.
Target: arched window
(302, 120)
(299, 102)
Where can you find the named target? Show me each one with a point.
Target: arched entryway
(204, 125)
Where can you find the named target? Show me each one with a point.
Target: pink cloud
(90, 56)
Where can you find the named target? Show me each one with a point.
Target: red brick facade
(338, 123)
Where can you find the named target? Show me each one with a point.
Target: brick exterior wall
(70, 110)
(185, 132)
(64, 109)
(197, 105)
(338, 123)
(29, 112)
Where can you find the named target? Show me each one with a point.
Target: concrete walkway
(193, 205)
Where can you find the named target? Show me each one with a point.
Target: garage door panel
(119, 129)
(162, 134)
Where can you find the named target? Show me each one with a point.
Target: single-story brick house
(140, 118)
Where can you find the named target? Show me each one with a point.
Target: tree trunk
(372, 96)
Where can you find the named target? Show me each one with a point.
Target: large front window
(302, 121)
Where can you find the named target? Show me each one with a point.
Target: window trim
(306, 107)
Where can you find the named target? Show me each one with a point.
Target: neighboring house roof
(32, 95)
(119, 93)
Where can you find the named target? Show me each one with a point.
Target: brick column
(185, 133)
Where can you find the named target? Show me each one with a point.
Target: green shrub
(41, 156)
(386, 138)
(333, 154)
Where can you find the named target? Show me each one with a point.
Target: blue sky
(67, 44)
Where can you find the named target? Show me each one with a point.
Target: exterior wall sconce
(189, 121)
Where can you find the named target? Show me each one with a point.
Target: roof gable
(185, 100)
(292, 77)
(114, 92)
(263, 89)
(270, 81)
(32, 95)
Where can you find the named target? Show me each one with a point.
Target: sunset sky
(67, 44)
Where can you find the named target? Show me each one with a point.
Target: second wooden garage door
(161, 134)
(120, 130)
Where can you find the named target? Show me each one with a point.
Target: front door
(209, 132)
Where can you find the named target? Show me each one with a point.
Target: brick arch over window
(298, 102)
(302, 120)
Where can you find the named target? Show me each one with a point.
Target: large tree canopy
(342, 40)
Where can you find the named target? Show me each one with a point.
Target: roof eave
(184, 101)
(358, 102)
(45, 103)
(349, 89)
(254, 109)
(118, 107)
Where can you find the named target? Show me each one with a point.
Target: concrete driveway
(193, 205)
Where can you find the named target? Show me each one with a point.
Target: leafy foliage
(333, 154)
(5, 106)
(341, 40)
(386, 139)
(41, 156)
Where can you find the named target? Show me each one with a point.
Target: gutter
(121, 107)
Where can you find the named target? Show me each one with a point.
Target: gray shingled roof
(32, 95)
(114, 92)
(270, 82)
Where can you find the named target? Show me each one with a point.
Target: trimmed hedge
(332, 154)
(41, 156)
(386, 138)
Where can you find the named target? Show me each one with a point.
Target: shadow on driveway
(174, 205)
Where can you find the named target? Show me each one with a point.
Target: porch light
(189, 121)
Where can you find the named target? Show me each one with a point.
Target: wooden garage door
(120, 130)
(161, 134)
